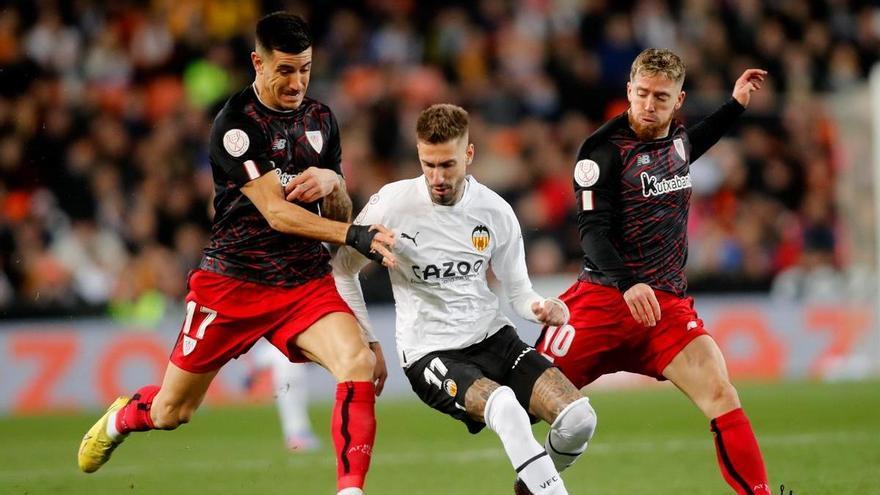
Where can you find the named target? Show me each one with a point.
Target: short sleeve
(240, 148)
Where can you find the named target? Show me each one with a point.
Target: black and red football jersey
(633, 198)
(249, 139)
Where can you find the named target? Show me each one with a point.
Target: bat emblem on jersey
(480, 238)
(410, 237)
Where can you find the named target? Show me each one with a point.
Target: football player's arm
(596, 177)
(324, 182)
(509, 266)
(240, 148)
(707, 132)
(347, 264)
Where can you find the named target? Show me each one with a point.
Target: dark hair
(442, 122)
(284, 32)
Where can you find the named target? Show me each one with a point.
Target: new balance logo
(412, 238)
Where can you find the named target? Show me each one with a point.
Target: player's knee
(723, 396)
(357, 365)
(574, 426)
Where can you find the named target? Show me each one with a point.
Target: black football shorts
(442, 378)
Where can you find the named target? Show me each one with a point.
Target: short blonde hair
(655, 61)
(441, 123)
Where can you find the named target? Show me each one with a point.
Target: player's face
(653, 100)
(283, 77)
(445, 167)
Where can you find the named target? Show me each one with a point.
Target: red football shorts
(225, 316)
(602, 336)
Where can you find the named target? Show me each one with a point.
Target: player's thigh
(336, 342)
(182, 389)
(443, 381)
(539, 387)
(700, 371)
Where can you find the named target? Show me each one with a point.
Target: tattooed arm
(337, 205)
(317, 183)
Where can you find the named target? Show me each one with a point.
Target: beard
(648, 132)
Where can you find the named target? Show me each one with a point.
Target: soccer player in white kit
(461, 354)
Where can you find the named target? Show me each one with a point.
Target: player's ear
(469, 154)
(680, 101)
(629, 91)
(257, 61)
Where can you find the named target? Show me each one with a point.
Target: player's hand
(750, 80)
(376, 242)
(312, 184)
(383, 244)
(551, 312)
(643, 305)
(380, 371)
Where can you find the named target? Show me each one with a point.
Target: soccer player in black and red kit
(275, 156)
(629, 311)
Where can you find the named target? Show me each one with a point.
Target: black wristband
(361, 237)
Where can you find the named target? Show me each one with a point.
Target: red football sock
(135, 416)
(354, 431)
(739, 456)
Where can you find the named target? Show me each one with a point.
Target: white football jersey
(442, 298)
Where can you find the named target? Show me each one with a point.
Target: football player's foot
(520, 488)
(303, 443)
(97, 445)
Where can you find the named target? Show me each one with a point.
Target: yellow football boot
(97, 445)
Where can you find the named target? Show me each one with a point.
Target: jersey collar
(267, 108)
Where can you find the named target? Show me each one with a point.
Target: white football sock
(507, 418)
(351, 491)
(111, 430)
(570, 433)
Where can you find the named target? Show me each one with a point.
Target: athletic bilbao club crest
(189, 345)
(316, 140)
(679, 148)
(480, 238)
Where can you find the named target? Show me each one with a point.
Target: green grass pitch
(816, 438)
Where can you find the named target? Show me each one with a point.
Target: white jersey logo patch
(679, 148)
(316, 140)
(189, 345)
(586, 173)
(236, 142)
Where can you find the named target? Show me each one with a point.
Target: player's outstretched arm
(374, 241)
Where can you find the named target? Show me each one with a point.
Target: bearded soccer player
(265, 273)
(461, 354)
(629, 311)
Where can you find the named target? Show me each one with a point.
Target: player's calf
(570, 433)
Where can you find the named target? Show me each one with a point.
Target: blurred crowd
(105, 109)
